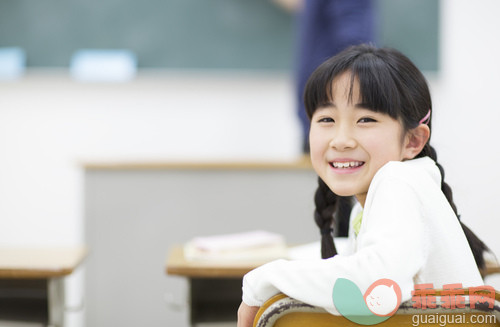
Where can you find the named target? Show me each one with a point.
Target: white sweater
(409, 234)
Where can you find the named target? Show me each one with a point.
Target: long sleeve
(391, 244)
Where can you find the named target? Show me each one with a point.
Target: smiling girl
(370, 112)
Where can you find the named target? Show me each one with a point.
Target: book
(255, 245)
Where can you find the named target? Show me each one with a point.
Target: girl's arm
(391, 244)
(246, 315)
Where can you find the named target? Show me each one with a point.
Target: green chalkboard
(232, 34)
(163, 33)
(411, 26)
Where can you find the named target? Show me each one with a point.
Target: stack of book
(246, 246)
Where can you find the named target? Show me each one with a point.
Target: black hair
(389, 83)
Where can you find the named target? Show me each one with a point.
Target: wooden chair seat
(283, 311)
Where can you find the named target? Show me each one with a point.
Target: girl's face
(349, 142)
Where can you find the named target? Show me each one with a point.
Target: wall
(51, 126)
(467, 114)
(134, 216)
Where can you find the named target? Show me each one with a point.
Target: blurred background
(196, 81)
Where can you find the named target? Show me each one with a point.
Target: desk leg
(214, 300)
(56, 300)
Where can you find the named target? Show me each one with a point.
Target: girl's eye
(326, 120)
(367, 120)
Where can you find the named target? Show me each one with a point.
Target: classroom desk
(32, 283)
(214, 287)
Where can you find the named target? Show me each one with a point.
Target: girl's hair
(389, 83)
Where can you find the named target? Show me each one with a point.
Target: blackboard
(207, 34)
(411, 26)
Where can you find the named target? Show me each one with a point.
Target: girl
(370, 112)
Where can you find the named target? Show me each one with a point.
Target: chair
(283, 311)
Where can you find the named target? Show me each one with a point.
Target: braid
(477, 246)
(342, 216)
(327, 203)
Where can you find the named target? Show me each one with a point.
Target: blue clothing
(325, 28)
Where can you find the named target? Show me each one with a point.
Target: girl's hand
(246, 315)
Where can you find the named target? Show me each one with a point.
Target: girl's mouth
(346, 164)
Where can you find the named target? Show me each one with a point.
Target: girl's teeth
(346, 164)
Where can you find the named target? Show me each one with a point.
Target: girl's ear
(415, 141)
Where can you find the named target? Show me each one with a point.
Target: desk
(207, 278)
(32, 283)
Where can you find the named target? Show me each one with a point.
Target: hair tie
(426, 119)
(327, 231)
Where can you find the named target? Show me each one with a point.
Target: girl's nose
(343, 140)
